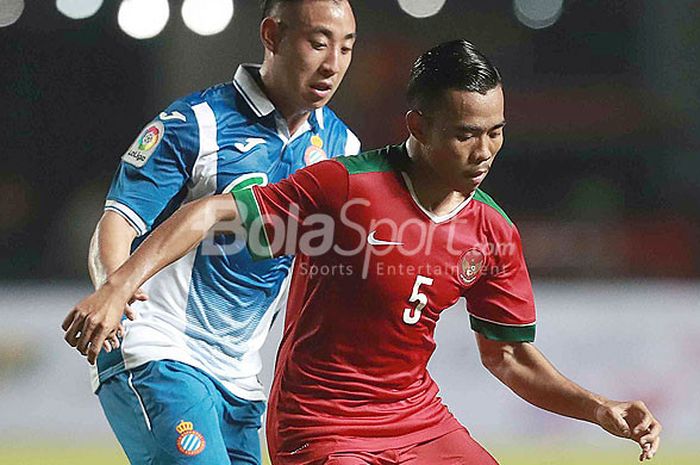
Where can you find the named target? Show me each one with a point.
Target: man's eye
(495, 135)
(346, 50)
(318, 45)
(464, 137)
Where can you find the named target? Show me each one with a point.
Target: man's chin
(469, 186)
(315, 101)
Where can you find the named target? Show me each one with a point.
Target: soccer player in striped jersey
(182, 386)
(385, 242)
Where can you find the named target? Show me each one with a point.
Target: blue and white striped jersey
(213, 308)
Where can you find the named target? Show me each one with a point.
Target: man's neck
(431, 190)
(294, 117)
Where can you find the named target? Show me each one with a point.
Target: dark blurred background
(600, 172)
(600, 168)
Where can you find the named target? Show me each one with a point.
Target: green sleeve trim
(483, 197)
(251, 218)
(250, 182)
(497, 332)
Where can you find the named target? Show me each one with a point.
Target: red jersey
(373, 272)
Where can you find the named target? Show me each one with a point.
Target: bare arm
(526, 371)
(110, 246)
(96, 317)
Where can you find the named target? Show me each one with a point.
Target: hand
(112, 342)
(94, 320)
(631, 420)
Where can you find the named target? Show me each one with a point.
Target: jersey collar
(247, 85)
(432, 216)
(244, 81)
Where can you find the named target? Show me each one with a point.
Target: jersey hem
(318, 449)
(131, 217)
(133, 362)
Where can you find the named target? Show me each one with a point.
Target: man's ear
(417, 126)
(270, 34)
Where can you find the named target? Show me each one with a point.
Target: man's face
(463, 135)
(315, 50)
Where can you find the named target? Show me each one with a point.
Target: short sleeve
(501, 304)
(283, 218)
(155, 168)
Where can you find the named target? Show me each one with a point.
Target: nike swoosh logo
(372, 240)
(250, 143)
(174, 115)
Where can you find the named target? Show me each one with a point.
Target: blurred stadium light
(207, 17)
(421, 8)
(78, 9)
(143, 19)
(538, 14)
(10, 11)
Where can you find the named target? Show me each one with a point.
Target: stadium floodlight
(10, 11)
(421, 8)
(538, 14)
(207, 17)
(143, 19)
(78, 9)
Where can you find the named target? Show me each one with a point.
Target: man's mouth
(322, 89)
(478, 175)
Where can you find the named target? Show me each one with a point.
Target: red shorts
(456, 448)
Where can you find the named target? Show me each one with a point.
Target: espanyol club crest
(315, 153)
(470, 265)
(190, 442)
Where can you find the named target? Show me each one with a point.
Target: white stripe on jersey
(203, 180)
(352, 144)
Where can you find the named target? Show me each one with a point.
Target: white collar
(245, 83)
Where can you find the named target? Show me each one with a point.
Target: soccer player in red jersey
(385, 241)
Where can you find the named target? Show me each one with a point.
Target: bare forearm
(171, 240)
(530, 375)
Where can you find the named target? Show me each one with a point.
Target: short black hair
(454, 65)
(268, 5)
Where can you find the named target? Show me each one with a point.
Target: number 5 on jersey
(412, 315)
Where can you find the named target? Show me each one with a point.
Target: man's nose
(331, 63)
(483, 150)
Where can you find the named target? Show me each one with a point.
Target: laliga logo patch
(315, 153)
(190, 442)
(471, 264)
(145, 144)
(149, 138)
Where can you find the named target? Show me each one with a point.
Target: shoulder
(373, 161)
(336, 128)
(219, 100)
(494, 214)
(199, 111)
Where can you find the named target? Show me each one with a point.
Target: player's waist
(355, 383)
(360, 405)
(318, 436)
(145, 341)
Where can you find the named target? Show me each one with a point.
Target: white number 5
(412, 315)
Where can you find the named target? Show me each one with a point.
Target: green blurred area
(58, 455)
